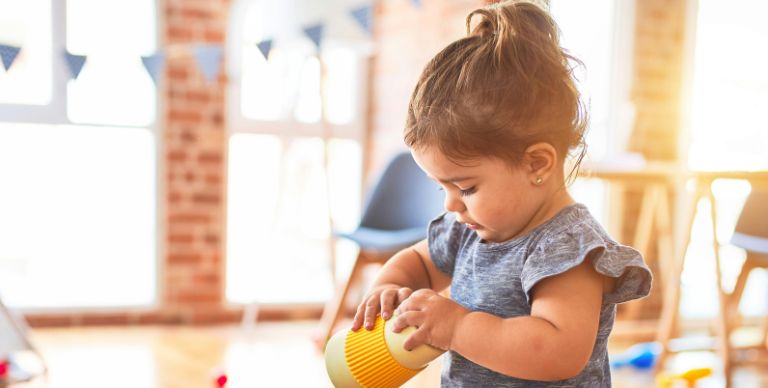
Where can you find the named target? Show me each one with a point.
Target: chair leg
(734, 318)
(334, 309)
(764, 341)
(765, 323)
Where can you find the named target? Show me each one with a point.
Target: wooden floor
(267, 355)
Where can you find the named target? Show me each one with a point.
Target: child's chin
(487, 237)
(491, 237)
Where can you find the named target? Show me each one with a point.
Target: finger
(423, 293)
(403, 294)
(412, 303)
(371, 309)
(387, 303)
(403, 320)
(417, 338)
(403, 307)
(357, 323)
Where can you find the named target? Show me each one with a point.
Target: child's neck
(556, 201)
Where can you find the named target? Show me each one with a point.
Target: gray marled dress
(497, 278)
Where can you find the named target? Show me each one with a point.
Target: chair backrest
(403, 197)
(751, 231)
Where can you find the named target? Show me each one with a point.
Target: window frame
(55, 114)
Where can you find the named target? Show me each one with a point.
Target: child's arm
(408, 270)
(553, 343)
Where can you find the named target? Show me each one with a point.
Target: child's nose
(453, 203)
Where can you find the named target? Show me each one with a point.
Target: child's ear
(540, 161)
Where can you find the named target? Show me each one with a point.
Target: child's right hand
(384, 299)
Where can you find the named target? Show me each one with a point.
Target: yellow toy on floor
(374, 358)
(690, 376)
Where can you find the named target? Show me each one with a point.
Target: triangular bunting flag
(154, 65)
(208, 57)
(8, 54)
(364, 17)
(75, 63)
(315, 33)
(416, 3)
(265, 46)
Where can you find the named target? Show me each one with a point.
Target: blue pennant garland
(364, 17)
(154, 64)
(315, 33)
(8, 54)
(75, 63)
(208, 57)
(416, 3)
(265, 46)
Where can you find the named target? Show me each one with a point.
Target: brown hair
(505, 86)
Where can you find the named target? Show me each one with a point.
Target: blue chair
(397, 211)
(750, 234)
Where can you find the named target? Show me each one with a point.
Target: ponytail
(505, 86)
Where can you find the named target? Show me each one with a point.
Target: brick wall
(406, 37)
(194, 144)
(656, 94)
(657, 78)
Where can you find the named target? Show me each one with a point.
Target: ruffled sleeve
(445, 236)
(565, 248)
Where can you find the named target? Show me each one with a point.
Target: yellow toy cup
(374, 358)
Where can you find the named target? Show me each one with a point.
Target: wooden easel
(13, 338)
(657, 181)
(670, 313)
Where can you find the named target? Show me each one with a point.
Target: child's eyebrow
(454, 180)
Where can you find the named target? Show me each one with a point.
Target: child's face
(490, 197)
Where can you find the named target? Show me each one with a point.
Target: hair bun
(543, 4)
(488, 25)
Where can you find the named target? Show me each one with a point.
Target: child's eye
(467, 192)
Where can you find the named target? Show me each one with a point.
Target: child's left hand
(434, 316)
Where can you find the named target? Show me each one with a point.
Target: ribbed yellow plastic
(371, 363)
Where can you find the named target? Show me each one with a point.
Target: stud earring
(539, 180)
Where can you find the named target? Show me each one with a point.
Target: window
(602, 46)
(730, 87)
(283, 124)
(278, 215)
(78, 157)
(729, 90)
(76, 216)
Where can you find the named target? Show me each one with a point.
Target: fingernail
(385, 315)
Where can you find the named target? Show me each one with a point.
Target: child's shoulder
(573, 236)
(574, 232)
(572, 220)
